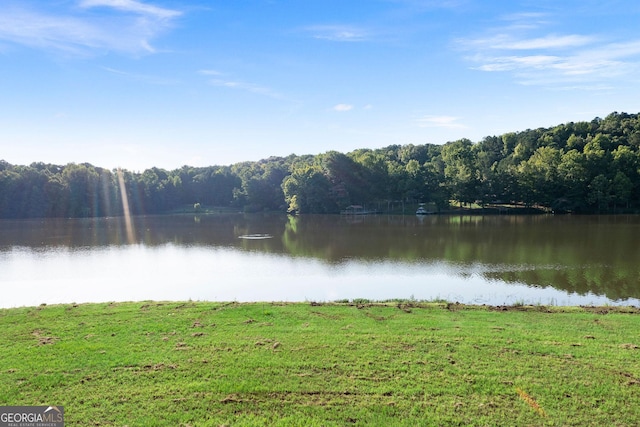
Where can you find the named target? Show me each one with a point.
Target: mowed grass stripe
(397, 363)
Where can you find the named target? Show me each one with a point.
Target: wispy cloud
(249, 87)
(338, 33)
(211, 73)
(342, 107)
(509, 42)
(133, 6)
(525, 20)
(448, 122)
(432, 4)
(34, 29)
(222, 80)
(522, 49)
(145, 78)
(70, 29)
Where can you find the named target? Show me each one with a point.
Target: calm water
(472, 259)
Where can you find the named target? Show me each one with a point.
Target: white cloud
(567, 60)
(133, 6)
(525, 20)
(145, 78)
(342, 107)
(338, 33)
(421, 5)
(245, 86)
(448, 122)
(549, 42)
(507, 63)
(211, 73)
(509, 42)
(39, 30)
(67, 30)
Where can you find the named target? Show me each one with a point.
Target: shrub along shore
(357, 363)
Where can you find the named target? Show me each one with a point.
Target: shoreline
(366, 303)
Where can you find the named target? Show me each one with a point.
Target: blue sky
(142, 83)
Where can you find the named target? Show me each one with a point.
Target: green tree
(539, 177)
(375, 174)
(346, 177)
(81, 181)
(461, 171)
(574, 176)
(307, 190)
(622, 189)
(597, 154)
(600, 192)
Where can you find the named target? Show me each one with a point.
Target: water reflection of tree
(573, 254)
(586, 255)
(614, 282)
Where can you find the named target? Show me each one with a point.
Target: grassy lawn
(404, 364)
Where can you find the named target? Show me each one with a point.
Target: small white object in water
(255, 236)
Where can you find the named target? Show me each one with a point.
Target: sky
(166, 83)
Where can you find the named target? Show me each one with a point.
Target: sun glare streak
(125, 206)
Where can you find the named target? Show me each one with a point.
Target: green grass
(356, 363)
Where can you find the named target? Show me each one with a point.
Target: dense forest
(582, 167)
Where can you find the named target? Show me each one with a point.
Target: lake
(545, 259)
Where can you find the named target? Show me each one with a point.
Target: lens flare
(125, 206)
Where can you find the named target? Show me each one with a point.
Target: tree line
(582, 167)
